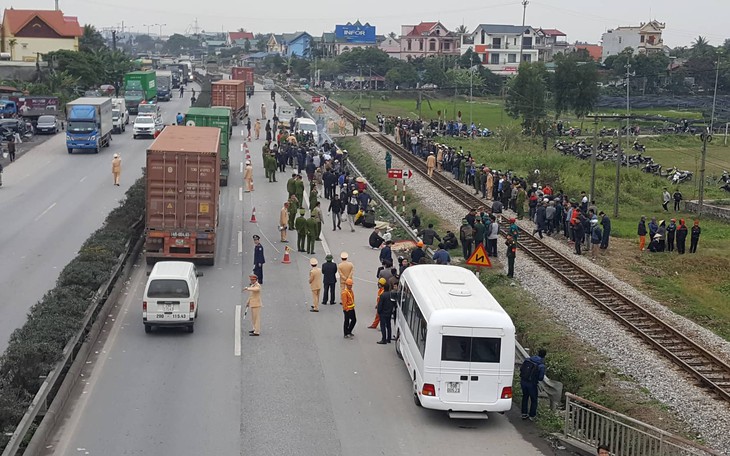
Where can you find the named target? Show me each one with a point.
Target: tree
(401, 75)
(469, 58)
(91, 40)
(247, 46)
(115, 65)
(145, 43)
(586, 90)
(526, 95)
(178, 44)
(461, 30)
(12, 42)
(564, 84)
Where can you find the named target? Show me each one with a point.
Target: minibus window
(168, 288)
(455, 348)
(485, 349)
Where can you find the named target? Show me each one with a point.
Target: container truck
(139, 86)
(120, 115)
(187, 68)
(30, 108)
(230, 93)
(243, 74)
(182, 194)
(89, 123)
(214, 117)
(164, 85)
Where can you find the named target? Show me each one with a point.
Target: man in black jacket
(336, 209)
(428, 235)
(386, 304)
(329, 279)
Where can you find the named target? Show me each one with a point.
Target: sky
(581, 20)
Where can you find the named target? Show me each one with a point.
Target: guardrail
(593, 424)
(57, 387)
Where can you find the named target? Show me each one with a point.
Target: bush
(36, 347)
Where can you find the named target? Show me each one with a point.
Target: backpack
(529, 371)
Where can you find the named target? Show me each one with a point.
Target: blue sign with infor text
(356, 33)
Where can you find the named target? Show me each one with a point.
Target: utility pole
(628, 104)
(471, 89)
(161, 25)
(593, 159)
(114, 40)
(148, 27)
(619, 159)
(705, 140)
(522, 32)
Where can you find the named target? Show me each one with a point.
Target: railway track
(709, 371)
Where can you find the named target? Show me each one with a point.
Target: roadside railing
(593, 424)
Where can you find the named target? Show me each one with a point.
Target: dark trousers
(604, 240)
(665, 205)
(693, 244)
(529, 394)
(385, 328)
(510, 266)
(492, 248)
(259, 272)
(466, 249)
(578, 242)
(329, 288)
(676, 206)
(670, 243)
(350, 320)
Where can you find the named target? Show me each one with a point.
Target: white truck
(120, 115)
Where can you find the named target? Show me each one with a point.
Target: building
(390, 45)
(644, 39)
(595, 51)
(348, 37)
(26, 34)
(238, 38)
(297, 44)
(274, 44)
(549, 43)
(427, 39)
(499, 46)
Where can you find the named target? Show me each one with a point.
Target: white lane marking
(240, 193)
(241, 167)
(240, 242)
(83, 179)
(44, 212)
(237, 333)
(241, 147)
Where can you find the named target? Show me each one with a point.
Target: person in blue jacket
(532, 372)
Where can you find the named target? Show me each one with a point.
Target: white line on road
(45, 212)
(83, 179)
(237, 333)
(241, 167)
(241, 147)
(240, 193)
(240, 242)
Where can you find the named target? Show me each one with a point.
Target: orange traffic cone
(253, 216)
(286, 259)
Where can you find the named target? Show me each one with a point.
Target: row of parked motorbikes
(609, 151)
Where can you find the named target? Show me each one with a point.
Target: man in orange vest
(348, 309)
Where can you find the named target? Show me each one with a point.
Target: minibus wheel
(397, 345)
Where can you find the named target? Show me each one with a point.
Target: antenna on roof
(56, 5)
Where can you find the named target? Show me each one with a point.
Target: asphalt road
(50, 203)
(298, 389)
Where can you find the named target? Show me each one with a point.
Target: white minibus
(456, 341)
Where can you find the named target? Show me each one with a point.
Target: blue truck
(89, 124)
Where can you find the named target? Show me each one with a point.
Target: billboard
(356, 33)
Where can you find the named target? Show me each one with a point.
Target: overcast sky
(583, 20)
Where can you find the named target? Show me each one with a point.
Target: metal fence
(593, 424)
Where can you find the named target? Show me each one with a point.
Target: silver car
(47, 125)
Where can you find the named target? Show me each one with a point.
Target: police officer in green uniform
(462, 169)
(271, 167)
(293, 207)
(264, 155)
(301, 226)
(299, 190)
(313, 198)
(511, 255)
(291, 184)
(311, 233)
(317, 215)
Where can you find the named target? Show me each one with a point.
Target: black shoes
(382, 342)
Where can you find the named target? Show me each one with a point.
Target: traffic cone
(253, 216)
(286, 259)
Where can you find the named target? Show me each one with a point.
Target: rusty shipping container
(230, 93)
(243, 74)
(182, 194)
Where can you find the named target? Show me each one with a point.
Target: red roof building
(27, 33)
(427, 39)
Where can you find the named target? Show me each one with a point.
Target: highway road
(298, 389)
(50, 203)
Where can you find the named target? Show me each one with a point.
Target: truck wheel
(70, 150)
(191, 328)
(147, 329)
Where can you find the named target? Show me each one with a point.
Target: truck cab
(120, 115)
(89, 123)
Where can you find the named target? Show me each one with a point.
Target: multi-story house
(427, 39)
(390, 45)
(644, 39)
(28, 34)
(550, 42)
(499, 47)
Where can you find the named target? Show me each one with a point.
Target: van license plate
(169, 307)
(453, 387)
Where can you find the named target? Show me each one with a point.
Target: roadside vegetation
(581, 370)
(36, 347)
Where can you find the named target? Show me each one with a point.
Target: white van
(306, 125)
(171, 296)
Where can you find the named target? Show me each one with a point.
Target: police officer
(511, 255)
(299, 189)
(315, 284)
(283, 221)
(301, 225)
(254, 303)
(346, 270)
(258, 258)
(329, 279)
(311, 231)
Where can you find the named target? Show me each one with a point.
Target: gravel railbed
(629, 355)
